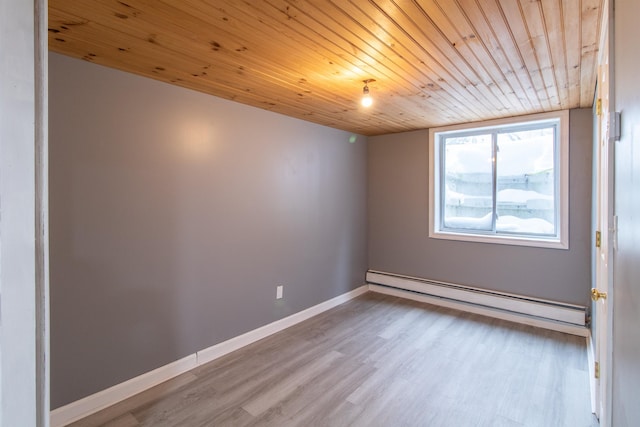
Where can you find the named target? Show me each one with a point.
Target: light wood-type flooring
(379, 361)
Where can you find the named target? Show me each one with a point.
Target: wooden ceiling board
(486, 24)
(451, 72)
(334, 75)
(404, 66)
(353, 46)
(591, 20)
(358, 60)
(435, 62)
(406, 63)
(519, 28)
(553, 19)
(537, 34)
(460, 29)
(572, 37)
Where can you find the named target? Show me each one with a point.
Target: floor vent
(547, 314)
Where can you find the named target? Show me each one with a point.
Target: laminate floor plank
(122, 409)
(126, 420)
(291, 382)
(379, 360)
(315, 401)
(221, 390)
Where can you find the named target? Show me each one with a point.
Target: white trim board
(105, 398)
(91, 404)
(591, 361)
(546, 314)
(226, 347)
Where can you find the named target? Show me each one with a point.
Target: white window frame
(560, 240)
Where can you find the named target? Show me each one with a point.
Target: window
(503, 181)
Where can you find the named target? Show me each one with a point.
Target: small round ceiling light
(366, 97)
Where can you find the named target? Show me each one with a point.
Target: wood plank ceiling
(435, 62)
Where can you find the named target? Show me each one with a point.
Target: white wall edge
(91, 404)
(591, 360)
(485, 311)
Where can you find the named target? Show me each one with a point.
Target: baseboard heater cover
(554, 315)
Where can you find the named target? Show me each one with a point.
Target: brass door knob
(596, 294)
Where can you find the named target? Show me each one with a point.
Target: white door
(602, 293)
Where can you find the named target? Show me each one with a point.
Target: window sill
(549, 243)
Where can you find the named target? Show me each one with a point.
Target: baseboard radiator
(547, 314)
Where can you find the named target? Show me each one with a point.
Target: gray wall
(175, 214)
(399, 227)
(626, 304)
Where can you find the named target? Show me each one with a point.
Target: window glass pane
(525, 199)
(468, 182)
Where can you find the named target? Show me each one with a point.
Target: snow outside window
(501, 181)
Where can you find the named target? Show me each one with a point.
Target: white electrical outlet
(279, 290)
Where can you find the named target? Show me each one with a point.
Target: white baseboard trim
(561, 317)
(91, 404)
(226, 347)
(105, 398)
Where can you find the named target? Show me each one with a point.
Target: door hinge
(598, 239)
(615, 125)
(596, 370)
(599, 107)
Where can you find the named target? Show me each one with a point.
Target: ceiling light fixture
(366, 98)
